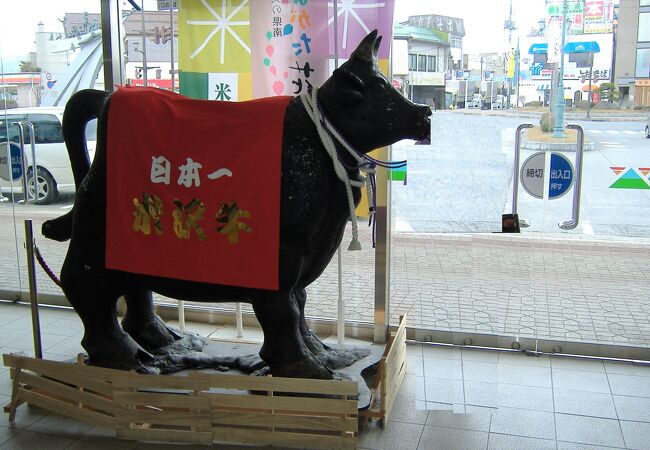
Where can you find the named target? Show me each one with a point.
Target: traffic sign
(532, 174)
(10, 150)
(561, 173)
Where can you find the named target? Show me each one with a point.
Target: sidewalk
(521, 286)
(596, 115)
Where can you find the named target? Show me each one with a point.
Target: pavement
(520, 286)
(597, 115)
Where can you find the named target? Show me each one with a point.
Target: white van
(54, 173)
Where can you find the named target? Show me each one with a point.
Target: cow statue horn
(368, 47)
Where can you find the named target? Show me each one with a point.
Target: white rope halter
(311, 106)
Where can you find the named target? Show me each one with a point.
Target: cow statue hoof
(153, 334)
(334, 358)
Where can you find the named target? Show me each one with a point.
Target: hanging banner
(214, 53)
(289, 46)
(356, 20)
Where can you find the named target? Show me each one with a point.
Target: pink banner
(288, 53)
(358, 18)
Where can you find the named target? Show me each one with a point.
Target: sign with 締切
(532, 174)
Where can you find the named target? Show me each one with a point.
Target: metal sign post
(33, 296)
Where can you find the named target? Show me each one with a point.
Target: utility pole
(558, 129)
(144, 47)
(509, 25)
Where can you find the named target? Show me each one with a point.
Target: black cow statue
(360, 104)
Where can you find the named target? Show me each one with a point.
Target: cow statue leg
(284, 349)
(332, 358)
(143, 324)
(94, 298)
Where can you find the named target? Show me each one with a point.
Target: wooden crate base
(195, 409)
(209, 408)
(390, 374)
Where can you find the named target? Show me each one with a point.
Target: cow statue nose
(425, 110)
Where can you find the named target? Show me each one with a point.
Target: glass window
(47, 128)
(644, 27)
(431, 63)
(422, 63)
(642, 63)
(644, 3)
(541, 58)
(581, 59)
(9, 132)
(413, 62)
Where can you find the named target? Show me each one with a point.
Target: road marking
(587, 229)
(595, 131)
(632, 132)
(402, 225)
(611, 131)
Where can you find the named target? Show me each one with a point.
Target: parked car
(647, 127)
(53, 174)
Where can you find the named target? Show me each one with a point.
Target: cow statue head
(363, 105)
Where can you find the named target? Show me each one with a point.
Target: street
(483, 282)
(463, 181)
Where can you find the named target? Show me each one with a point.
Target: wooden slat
(285, 421)
(177, 418)
(292, 385)
(160, 400)
(66, 409)
(392, 395)
(280, 438)
(175, 436)
(56, 389)
(35, 364)
(398, 339)
(297, 404)
(123, 380)
(394, 364)
(65, 372)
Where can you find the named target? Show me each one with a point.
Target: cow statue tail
(82, 107)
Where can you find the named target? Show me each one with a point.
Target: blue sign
(16, 161)
(561, 176)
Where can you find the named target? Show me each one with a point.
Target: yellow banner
(214, 36)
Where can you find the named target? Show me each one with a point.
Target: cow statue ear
(351, 86)
(368, 47)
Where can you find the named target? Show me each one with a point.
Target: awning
(538, 48)
(582, 47)
(570, 47)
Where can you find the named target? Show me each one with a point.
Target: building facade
(633, 53)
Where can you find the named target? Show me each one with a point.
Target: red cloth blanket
(193, 187)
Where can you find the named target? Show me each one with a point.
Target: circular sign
(561, 173)
(11, 164)
(532, 174)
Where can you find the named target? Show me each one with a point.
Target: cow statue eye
(381, 84)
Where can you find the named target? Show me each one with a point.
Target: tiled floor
(450, 399)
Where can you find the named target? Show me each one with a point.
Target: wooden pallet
(390, 374)
(199, 408)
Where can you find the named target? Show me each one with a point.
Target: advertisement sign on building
(599, 16)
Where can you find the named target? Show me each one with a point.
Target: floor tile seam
(554, 406)
(618, 417)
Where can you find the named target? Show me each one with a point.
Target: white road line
(611, 131)
(402, 225)
(587, 229)
(595, 131)
(632, 132)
